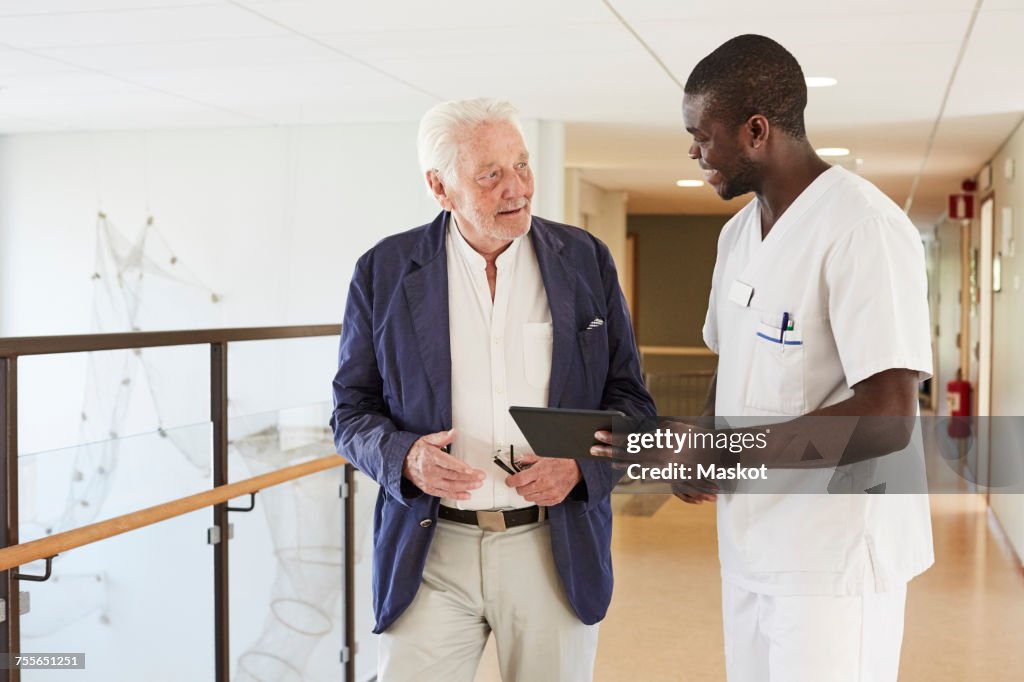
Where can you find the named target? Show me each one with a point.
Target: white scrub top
(846, 268)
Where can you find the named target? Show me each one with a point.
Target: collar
(473, 258)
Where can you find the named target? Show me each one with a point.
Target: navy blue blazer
(393, 385)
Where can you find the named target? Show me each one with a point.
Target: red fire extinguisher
(958, 398)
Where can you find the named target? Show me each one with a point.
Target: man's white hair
(442, 126)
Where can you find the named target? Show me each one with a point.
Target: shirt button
(426, 523)
(497, 389)
(497, 340)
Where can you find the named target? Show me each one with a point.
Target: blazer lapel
(559, 275)
(426, 292)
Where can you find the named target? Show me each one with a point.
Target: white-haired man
(446, 326)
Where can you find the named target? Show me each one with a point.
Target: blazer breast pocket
(593, 343)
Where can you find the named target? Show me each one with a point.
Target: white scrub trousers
(815, 638)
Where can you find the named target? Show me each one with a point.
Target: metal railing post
(10, 631)
(219, 417)
(349, 577)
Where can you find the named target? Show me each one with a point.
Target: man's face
(494, 184)
(718, 149)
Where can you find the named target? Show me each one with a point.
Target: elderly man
(446, 326)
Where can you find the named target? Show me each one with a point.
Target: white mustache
(514, 207)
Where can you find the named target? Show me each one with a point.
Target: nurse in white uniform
(818, 306)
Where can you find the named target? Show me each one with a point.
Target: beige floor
(965, 617)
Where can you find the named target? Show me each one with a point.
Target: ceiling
(611, 70)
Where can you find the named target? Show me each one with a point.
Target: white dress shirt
(501, 356)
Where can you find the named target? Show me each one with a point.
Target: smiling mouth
(514, 211)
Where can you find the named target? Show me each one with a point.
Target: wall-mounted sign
(961, 206)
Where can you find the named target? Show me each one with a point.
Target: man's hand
(437, 473)
(692, 494)
(546, 481)
(673, 441)
(613, 445)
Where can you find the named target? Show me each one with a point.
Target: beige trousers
(477, 582)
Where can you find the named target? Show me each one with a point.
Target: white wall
(1007, 331)
(272, 218)
(546, 141)
(1007, 392)
(603, 213)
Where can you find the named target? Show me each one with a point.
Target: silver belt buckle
(491, 520)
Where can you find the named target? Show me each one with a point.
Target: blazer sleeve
(624, 389)
(363, 430)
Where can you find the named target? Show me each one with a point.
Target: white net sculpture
(305, 523)
(122, 393)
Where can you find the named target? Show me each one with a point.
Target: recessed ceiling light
(820, 81)
(833, 151)
(689, 183)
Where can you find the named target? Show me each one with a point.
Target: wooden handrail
(19, 555)
(683, 374)
(676, 350)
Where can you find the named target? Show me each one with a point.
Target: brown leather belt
(493, 520)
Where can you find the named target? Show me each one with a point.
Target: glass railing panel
(264, 376)
(263, 442)
(59, 490)
(73, 398)
(286, 575)
(122, 600)
(138, 605)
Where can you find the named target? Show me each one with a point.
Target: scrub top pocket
(776, 382)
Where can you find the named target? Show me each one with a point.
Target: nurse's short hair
(443, 127)
(748, 75)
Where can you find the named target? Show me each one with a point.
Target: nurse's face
(718, 149)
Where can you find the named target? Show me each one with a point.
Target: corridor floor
(965, 616)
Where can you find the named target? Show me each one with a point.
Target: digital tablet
(558, 432)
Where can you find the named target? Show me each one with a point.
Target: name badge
(741, 294)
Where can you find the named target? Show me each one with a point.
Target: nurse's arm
(891, 393)
(878, 419)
